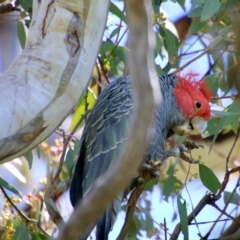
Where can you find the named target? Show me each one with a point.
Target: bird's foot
(152, 167)
(190, 145)
(176, 152)
(184, 148)
(187, 159)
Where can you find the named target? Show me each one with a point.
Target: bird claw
(185, 147)
(192, 145)
(152, 167)
(176, 152)
(187, 159)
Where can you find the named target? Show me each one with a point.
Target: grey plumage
(107, 128)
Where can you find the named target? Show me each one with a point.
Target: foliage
(214, 24)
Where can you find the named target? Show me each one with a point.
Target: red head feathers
(193, 97)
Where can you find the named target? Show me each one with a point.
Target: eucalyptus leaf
(29, 157)
(235, 199)
(183, 216)
(27, 5)
(195, 26)
(21, 34)
(116, 11)
(6, 185)
(21, 233)
(209, 179)
(70, 160)
(209, 9)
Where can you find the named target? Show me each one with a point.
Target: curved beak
(198, 124)
(195, 125)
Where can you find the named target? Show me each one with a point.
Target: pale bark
(146, 88)
(48, 77)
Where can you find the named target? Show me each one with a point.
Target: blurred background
(191, 36)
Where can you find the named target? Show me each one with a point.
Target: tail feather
(104, 225)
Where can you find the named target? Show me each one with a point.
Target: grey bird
(184, 109)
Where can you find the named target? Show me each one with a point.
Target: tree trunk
(46, 80)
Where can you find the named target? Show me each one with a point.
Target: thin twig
(146, 176)
(56, 185)
(65, 145)
(120, 24)
(160, 225)
(194, 217)
(103, 70)
(207, 222)
(228, 172)
(191, 61)
(231, 150)
(222, 211)
(165, 228)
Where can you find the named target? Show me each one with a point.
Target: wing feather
(105, 131)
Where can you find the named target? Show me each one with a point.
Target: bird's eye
(198, 104)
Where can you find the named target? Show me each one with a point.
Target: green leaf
(169, 183)
(120, 52)
(38, 151)
(76, 146)
(26, 5)
(195, 13)
(209, 179)
(159, 43)
(70, 161)
(209, 9)
(213, 126)
(235, 126)
(183, 216)
(81, 106)
(159, 70)
(225, 121)
(107, 46)
(212, 82)
(229, 4)
(116, 11)
(221, 113)
(234, 200)
(21, 233)
(6, 185)
(171, 45)
(29, 157)
(38, 236)
(21, 34)
(182, 4)
(156, 5)
(115, 32)
(195, 26)
(149, 186)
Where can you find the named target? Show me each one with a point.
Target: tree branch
(145, 88)
(46, 80)
(146, 176)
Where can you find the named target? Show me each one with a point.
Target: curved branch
(46, 80)
(146, 176)
(108, 186)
